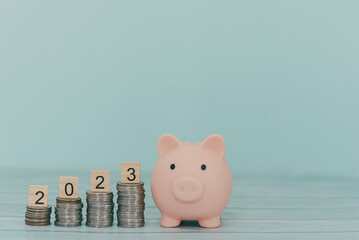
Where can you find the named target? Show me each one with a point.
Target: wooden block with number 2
(130, 172)
(69, 187)
(38, 196)
(100, 181)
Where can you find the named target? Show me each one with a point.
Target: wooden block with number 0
(100, 181)
(68, 187)
(38, 195)
(130, 172)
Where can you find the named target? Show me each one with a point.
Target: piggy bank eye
(203, 167)
(172, 166)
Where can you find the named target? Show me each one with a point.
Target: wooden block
(69, 187)
(130, 172)
(100, 181)
(38, 195)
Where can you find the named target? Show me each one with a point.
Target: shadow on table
(189, 224)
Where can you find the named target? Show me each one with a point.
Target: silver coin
(66, 219)
(37, 220)
(67, 224)
(99, 207)
(69, 200)
(102, 214)
(68, 212)
(131, 225)
(99, 211)
(130, 199)
(99, 225)
(130, 214)
(131, 193)
(30, 216)
(130, 184)
(95, 200)
(100, 194)
(64, 208)
(37, 224)
(100, 219)
(38, 216)
(104, 217)
(100, 204)
(31, 210)
(131, 205)
(69, 220)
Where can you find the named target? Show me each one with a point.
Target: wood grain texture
(260, 208)
(100, 181)
(38, 196)
(130, 172)
(68, 187)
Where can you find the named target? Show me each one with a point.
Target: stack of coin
(99, 209)
(131, 205)
(68, 212)
(38, 216)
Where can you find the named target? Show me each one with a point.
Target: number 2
(42, 195)
(98, 185)
(132, 174)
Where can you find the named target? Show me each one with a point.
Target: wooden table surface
(260, 208)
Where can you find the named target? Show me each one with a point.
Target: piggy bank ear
(215, 143)
(166, 143)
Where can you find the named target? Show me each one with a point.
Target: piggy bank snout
(188, 189)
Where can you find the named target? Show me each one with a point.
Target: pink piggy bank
(191, 181)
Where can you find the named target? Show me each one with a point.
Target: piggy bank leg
(210, 222)
(167, 221)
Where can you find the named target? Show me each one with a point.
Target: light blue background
(88, 84)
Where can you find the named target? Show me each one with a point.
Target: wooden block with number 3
(130, 172)
(100, 181)
(38, 195)
(69, 187)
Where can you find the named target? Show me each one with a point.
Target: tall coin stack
(37, 216)
(99, 209)
(68, 212)
(131, 205)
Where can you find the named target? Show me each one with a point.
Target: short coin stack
(131, 205)
(38, 216)
(99, 209)
(68, 212)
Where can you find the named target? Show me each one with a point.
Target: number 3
(132, 174)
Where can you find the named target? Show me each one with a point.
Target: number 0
(72, 189)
